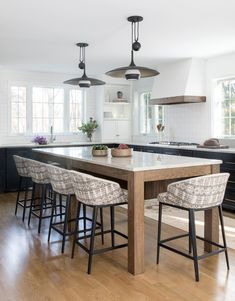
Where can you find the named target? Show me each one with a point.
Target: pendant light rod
(84, 81)
(133, 71)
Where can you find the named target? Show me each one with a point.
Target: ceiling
(41, 35)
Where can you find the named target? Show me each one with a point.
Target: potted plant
(89, 128)
(40, 140)
(99, 150)
(123, 150)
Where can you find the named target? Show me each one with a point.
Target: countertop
(56, 144)
(63, 144)
(140, 161)
(189, 147)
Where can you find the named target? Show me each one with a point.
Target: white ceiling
(41, 34)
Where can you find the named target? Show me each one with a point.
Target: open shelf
(116, 103)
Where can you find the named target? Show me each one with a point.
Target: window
(75, 109)
(48, 110)
(18, 110)
(224, 125)
(150, 115)
(34, 109)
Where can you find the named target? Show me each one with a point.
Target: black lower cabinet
(228, 165)
(11, 176)
(2, 169)
(186, 152)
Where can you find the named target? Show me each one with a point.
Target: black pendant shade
(84, 81)
(133, 72)
(93, 81)
(144, 71)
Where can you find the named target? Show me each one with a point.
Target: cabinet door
(2, 169)
(123, 130)
(110, 130)
(12, 178)
(170, 151)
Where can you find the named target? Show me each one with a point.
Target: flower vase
(160, 136)
(89, 136)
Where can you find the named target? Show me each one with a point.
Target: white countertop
(58, 144)
(33, 145)
(189, 147)
(140, 161)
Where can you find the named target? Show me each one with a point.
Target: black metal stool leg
(102, 225)
(31, 203)
(112, 225)
(194, 243)
(42, 202)
(52, 215)
(159, 231)
(189, 237)
(61, 203)
(84, 218)
(25, 198)
(18, 194)
(223, 235)
(76, 229)
(91, 250)
(65, 221)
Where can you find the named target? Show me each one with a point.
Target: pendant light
(133, 72)
(84, 81)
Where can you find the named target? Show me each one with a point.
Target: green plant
(100, 147)
(89, 128)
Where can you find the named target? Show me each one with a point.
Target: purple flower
(40, 140)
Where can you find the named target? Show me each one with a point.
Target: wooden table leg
(211, 218)
(136, 223)
(72, 213)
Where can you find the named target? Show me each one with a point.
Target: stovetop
(174, 143)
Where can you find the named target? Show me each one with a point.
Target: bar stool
(24, 183)
(196, 194)
(40, 179)
(96, 193)
(62, 186)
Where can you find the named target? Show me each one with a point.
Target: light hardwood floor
(31, 269)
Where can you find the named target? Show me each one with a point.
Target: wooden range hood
(178, 100)
(180, 83)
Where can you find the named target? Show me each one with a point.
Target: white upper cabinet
(114, 115)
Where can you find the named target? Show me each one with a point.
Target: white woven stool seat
(21, 166)
(60, 180)
(94, 191)
(38, 171)
(196, 193)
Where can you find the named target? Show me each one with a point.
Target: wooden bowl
(99, 152)
(117, 152)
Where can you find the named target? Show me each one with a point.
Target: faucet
(52, 137)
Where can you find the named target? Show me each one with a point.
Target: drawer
(228, 204)
(170, 151)
(186, 153)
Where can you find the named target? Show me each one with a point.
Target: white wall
(191, 122)
(8, 76)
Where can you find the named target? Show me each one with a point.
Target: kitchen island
(145, 175)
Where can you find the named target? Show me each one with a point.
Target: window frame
(29, 106)
(10, 110)
(214, 107)
(152, 130)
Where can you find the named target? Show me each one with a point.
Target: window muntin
(48, 109)
(18, 109)
(150, 115)
(75, 109)
(224, 117)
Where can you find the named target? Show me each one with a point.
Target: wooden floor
(31, 269)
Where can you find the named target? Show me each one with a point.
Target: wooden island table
(145, 175)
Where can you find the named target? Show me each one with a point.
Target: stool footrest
(174, 237)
